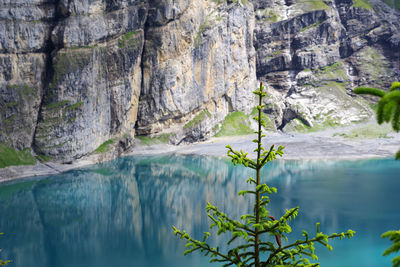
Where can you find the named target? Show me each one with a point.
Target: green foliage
(57, 105)
(393, 3)
(334, 72)
(77, 105)
(43, 158)
(235, 123)
(368, 131)
(128, 39)
(254, 251)
(105, 147)
(160, 139)
(395, 237)
(315, 5)
(11, 157)
(388, 106)
(23, 89)
(312, 25)
(362, 4)
(388, 110)
(268, 14)
(199, 36)
(2, 263)
(197, 120)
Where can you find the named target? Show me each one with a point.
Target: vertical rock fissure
(142, 67)
(50, 49)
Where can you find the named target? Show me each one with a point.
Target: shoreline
(297, 147)
(323, 145)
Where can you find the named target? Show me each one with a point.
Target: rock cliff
(76, 76)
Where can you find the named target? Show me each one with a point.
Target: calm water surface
(120, 213)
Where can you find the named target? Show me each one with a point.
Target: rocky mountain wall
(77, 74)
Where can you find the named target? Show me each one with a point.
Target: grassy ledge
(148, 141)
(235, 123)
(11, 157)
(105, 147)
(362, 4)
(368, 132)
(197, 120)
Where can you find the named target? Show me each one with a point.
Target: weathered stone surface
(20, 97)
(313, 53)
(92, 97)
(74, 74)
(202, 61)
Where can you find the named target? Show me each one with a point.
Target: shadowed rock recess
(77, 76)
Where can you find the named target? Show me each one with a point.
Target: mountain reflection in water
(120, 213)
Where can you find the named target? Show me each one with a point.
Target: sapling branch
(253, 226)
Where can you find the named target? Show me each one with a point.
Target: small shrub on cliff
(388, 111)
(255, 230)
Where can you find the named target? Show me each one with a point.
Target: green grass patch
(268, 15)
(105, 147)
(312, 25)
(362, 4)
(11, 157)
(43, 158)
(198, 119)
(374, 66)
(374, 107)
(334, 71)
(77, 105)
(296, 125)
(57, 105)
(235, 123)
(199, 36)
(315, 5)
(23, 89)
(219, 1)
(368, 132)
(128, 39)
(148, 141)
(11, 104)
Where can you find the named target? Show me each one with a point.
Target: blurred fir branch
(388, 106)
(388, 110)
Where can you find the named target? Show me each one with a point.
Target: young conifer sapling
(264, 239)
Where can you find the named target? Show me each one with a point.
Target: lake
(120, 213)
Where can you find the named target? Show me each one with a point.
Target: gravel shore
(331, 144)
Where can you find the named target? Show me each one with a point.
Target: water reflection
(120, 213)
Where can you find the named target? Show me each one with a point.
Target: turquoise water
(120, 213)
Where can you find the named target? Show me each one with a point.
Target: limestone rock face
(313, 53)
(199, 61)
(76, 74)
(24, 31)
